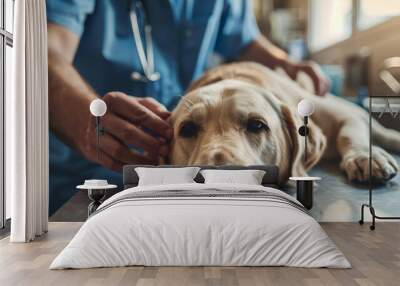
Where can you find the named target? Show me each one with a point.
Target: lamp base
(96, 196)
(303, 131)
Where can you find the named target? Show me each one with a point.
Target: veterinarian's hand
(130, 122)
(321, 83)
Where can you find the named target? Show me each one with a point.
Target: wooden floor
(375, 257)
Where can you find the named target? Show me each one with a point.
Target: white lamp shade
(305, 107)
(98, 107)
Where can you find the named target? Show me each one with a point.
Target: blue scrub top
(187, 36)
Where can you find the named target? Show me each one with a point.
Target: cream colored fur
(221, 103)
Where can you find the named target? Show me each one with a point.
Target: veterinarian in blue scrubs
(93, 51)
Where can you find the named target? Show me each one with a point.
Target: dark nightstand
(304, 190)
(96, 192)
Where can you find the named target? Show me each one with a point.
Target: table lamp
(96, 188)
(305, 108)
(98, 108)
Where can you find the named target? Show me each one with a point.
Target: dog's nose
(216, 157)
(219, 157)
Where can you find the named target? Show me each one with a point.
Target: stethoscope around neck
(146, 58)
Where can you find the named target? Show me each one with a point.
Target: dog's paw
(356, 165)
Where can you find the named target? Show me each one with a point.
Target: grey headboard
(271, 177)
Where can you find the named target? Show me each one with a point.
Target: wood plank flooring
(375, 257)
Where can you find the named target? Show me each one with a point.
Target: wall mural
(246, 114)
(170, 102)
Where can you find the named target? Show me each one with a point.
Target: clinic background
(350, 40)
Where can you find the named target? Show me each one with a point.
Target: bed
(198, 224)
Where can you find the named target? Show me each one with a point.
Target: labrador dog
(246, 114)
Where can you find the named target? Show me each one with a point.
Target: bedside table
(96, 192)
(304, 190)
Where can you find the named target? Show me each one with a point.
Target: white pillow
(164, 176)
(248, 177)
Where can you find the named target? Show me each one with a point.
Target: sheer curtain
(27, 124)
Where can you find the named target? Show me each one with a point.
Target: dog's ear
(316, 142)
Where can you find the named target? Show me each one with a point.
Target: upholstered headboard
(270, 179)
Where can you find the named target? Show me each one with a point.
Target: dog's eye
(189, 129)
(256, 126)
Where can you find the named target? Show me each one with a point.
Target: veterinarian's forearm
(266, 53)
(69, 95)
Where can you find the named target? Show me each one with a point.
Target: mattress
(201, 225)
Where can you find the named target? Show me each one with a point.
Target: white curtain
(27, 124)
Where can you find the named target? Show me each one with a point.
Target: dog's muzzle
(217, 156)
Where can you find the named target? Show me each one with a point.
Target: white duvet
(206, 230)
